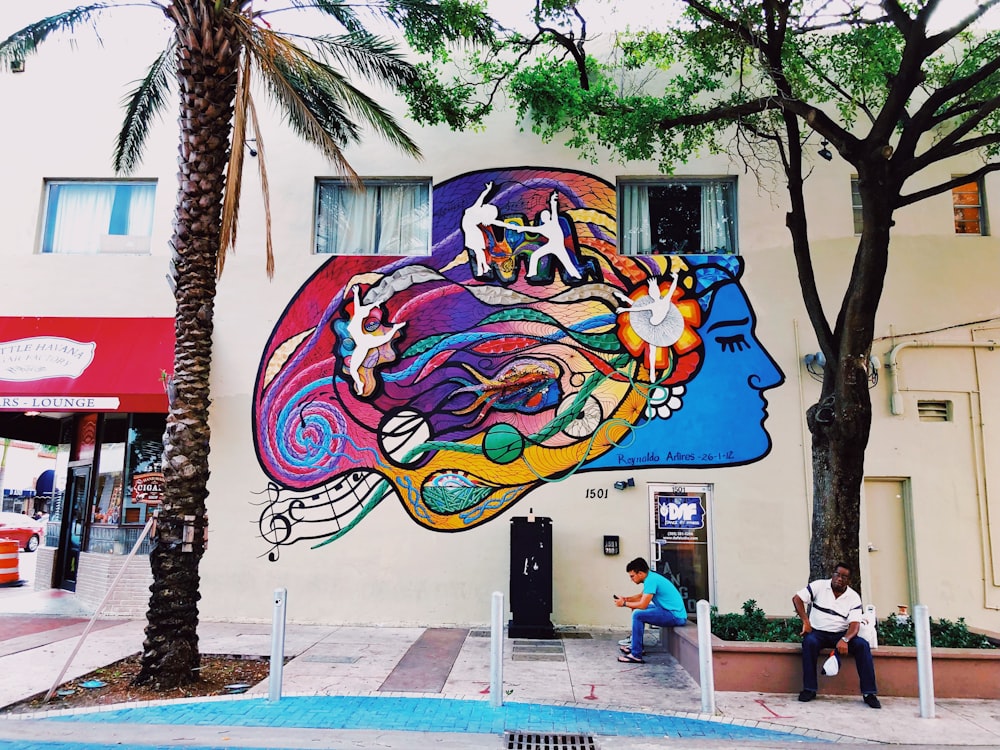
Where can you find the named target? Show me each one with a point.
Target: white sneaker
(648, 639)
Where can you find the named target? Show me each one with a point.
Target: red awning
(85, 364)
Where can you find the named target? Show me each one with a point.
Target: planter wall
(745, 666)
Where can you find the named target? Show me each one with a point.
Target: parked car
(24, 530)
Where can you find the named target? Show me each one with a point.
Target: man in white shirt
(833, 621)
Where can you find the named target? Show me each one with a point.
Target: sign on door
(680, 539)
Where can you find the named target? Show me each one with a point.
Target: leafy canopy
(666, 92)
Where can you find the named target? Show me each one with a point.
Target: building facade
(500, 330)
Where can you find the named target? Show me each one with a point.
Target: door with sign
(680, 537)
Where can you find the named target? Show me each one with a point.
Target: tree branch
(940, 39)
(906, 200)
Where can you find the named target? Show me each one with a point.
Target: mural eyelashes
(522, 350)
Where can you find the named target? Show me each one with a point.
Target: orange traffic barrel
(9, 574)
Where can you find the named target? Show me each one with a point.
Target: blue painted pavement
(426, 715)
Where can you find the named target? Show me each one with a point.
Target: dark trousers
(816, 640)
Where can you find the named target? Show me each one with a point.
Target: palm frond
(376, 58)
(21, 44)
(234, 169)
(341, 11)
(142, 104)
(318, 100)
(264, 189)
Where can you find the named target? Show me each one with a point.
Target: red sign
(148, 488)
(85, 364)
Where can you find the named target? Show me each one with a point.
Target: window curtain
(140, 210)
(636, 237)
(383, 219)
(403, 220)
(716, 221)
(346, 220)
(78, 216)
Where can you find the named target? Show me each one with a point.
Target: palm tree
(215, 50)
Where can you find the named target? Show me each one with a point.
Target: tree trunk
(207, 55)
(841, 422)
(840, 425)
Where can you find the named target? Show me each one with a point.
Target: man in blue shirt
(660, 603)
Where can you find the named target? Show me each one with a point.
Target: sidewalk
(415, 687)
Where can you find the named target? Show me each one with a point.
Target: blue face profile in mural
(717, 418)
(522, 350)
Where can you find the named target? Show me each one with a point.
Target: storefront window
(144, 476)
(106, 509)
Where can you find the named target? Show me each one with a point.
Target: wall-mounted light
(248, 142)
(623, 483)
(816, 361)
(825, 152)
(611, 545)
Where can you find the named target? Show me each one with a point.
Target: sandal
(629, 659)
(625, 649)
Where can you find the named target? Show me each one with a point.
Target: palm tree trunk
(207, 56)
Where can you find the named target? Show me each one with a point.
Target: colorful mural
(522, 350)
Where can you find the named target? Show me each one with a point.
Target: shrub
(754, 625)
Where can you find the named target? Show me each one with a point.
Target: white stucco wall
(389, 569)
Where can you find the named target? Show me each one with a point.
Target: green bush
(754, 625)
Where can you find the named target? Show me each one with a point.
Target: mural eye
(586, 419)
(372, 325)
(733, 343)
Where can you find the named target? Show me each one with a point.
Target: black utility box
(530, 578)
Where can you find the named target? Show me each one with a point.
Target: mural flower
(659, 330)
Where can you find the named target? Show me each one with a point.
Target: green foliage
(754, 625)
(895, 631)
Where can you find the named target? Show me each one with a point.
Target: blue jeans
(653, 616)
(858, 647)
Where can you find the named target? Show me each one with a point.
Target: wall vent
(934, 411)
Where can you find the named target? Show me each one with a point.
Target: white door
(888, 550)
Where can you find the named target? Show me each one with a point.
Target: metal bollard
(277, 644)
(705, 669)
(925, 672)
(496, 651)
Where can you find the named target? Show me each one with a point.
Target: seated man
(833, 622)
(660, 603)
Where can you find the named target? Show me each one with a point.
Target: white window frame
(637, 240)
(93, 233)
(370, 240)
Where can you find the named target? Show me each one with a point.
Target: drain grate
(538, 651)
(537, 741)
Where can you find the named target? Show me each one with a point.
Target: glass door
(74, 517)
(680, 535)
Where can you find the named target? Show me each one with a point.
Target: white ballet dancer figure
(474, 218)
(555, 238)
(663, 325)
(364, 343)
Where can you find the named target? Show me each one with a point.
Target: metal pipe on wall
(892, 365)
